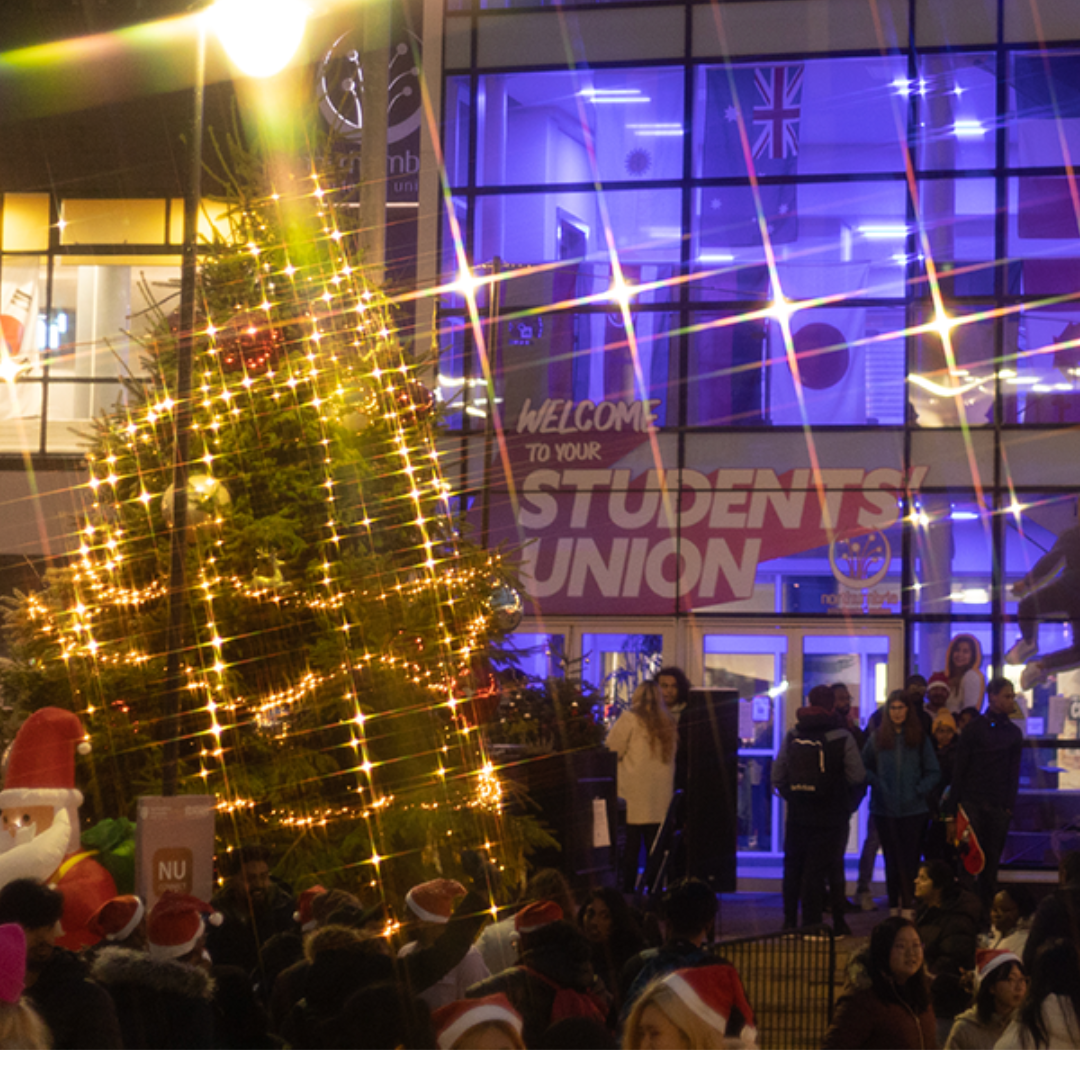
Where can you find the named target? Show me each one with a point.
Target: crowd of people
(959, 963)
(260, 968)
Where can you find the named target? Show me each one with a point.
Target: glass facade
(839, 285)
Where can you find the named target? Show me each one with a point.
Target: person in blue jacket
(903, 770)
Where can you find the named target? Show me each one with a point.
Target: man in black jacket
(986, 778)
(819, 773)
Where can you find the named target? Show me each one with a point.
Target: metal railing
(790, 982)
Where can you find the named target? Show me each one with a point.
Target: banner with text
(607, 525)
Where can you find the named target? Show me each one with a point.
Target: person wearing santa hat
(164, 996)
(1000, 986)
(39, 821)
(432, 903)
(701, 1008)
(487, 1023)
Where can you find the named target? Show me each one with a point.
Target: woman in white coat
(644, 737)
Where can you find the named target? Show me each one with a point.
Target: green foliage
(332, 604)
(555, 714)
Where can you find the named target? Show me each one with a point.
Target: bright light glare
(262, 37)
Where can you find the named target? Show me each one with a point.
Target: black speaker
(706, 771)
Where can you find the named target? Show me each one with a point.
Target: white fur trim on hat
(128, 928)
(69, 798)
(483, 1013)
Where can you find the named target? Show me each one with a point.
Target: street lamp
(260, 38)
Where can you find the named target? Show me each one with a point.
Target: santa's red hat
(452, 1021)
(117, 918)
(537, 915)
(12, 962)
(714, 993)
(305, 911)
(433, 901)
(939, 678)
(987, 960)
(41, 762)
(175, 924)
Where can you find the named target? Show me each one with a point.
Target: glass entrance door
(773, 667)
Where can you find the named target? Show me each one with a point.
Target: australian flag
(769, 101)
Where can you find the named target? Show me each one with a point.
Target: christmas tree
(336, 651)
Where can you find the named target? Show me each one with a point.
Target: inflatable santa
(39, 821)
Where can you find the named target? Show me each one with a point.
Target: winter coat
(970, 1033)
(986, 770)
(244, 929)
(1059, 1019)
(560, 960)
(645, 780)
(843, 767)
(79, 1013)
(865, 1021)
(161, 1004)
(950, 932)
(901, 779)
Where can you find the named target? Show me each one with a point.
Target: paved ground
(745, 914)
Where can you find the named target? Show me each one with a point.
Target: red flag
(967, 845)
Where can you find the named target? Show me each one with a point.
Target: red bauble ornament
(249, 343)
(414, 400)
(479, 694)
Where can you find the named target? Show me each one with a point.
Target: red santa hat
(12, 962)
(305, 910)
(175, 925)
(537, 915)
(713, 993)
(452, 1021)
(433, 901)
(41, 762)
(987, 960)
(117, 918)
(939, 678)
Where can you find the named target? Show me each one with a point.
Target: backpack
(806, 766)
(568, 1002)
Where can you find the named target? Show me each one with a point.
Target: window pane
(1044, 237)
(578, 127)
(956, 98)
(958, 217)
(952, 543)
(1044, 105)
(456, 139)
(828, 239)
(1042, 386)
(953, 382)
(810, 118)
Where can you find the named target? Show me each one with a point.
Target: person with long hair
(886, 1003)
(963, 672)
(20, 1026)
(903, 770)
(614, 935)
(1000, 987)
(1049, 1018)
(644, 737)
(701, 1008)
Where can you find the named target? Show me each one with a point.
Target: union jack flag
(775, 118)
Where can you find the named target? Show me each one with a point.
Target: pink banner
(605, 527)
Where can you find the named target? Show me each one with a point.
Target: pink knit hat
(12, 962)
